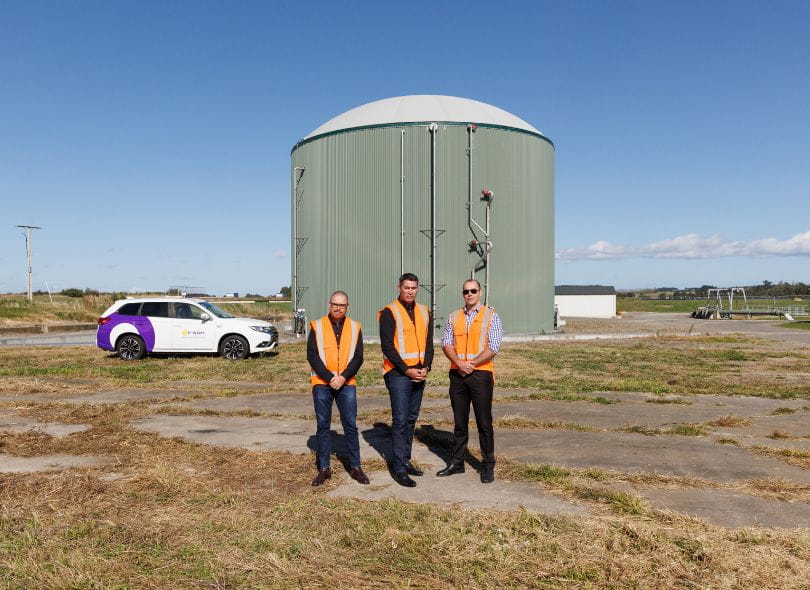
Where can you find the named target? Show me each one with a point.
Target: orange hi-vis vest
(470, 344)
(335, 356)
(410, 338)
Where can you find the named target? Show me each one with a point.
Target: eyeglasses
(339, 305)
(468, 291)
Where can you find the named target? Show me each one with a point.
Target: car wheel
(234, 348)
(130, 347)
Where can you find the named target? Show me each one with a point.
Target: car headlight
(265, 329)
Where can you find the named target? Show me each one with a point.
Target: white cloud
(692, 246)
(280, 254)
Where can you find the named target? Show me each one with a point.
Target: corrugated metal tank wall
(349, 217)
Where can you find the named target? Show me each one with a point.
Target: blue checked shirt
(495, 334)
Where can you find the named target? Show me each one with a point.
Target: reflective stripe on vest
(415, 354)
(481, 322)
(336, 363)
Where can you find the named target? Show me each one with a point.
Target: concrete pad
(114, 396)
(11, 464)
(274, 434)
(465, 490)
(12, 422)
(685, 456)
(111, 396)
(298, 404)
(296, 436)
(608, 416)
(730, 509)
(797, 425)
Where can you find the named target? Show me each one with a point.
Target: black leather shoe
(323, 475)
(358, 475)
(411, 470)
(487, 474)
(403, 480)
(451, 469)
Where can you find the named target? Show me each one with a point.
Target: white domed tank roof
(422, 108)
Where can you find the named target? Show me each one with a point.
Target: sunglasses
(468, 291)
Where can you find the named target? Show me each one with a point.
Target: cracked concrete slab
(465, 490)
(296, 436)
(272, 434)
(790, 425)
(110, 396)
(12, 464)
(297, 404)
(13, 422)
(730, 509)
(685, 456)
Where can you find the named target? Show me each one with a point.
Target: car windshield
(215, 310)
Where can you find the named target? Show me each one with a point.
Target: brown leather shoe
(323, 475)
(358, 475)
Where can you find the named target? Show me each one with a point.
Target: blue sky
(151, 140)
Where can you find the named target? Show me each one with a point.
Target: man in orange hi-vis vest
(335, 354)
(471, 339)
(406, 338)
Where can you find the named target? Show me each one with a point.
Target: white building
(585, 301)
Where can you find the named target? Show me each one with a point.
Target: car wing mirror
(205, 317)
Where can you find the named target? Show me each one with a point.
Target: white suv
(135, 327)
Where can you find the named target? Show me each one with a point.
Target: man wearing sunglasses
(406, 338)
(471, 339)
(335, 354)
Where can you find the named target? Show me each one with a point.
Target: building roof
(584, 290)
(422, 108)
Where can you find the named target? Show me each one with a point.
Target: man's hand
(337, 382)
(416, 374)
(465, 367)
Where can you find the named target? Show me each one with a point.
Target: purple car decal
(142, 325)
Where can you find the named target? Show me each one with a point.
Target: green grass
(799, 325)
(59, 308)
(662, 305)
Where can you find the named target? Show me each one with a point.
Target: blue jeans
(346, 400)
(406, 400)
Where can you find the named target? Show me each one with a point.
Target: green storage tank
(445, 187)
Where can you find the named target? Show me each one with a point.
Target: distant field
(672, 306)
(16, 310)
(686, 306)
(803, 325)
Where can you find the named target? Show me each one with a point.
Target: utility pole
(28, 229)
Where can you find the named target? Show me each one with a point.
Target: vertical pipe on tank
(486, 261)
(402, 202)
(469, 184)
(295, 179)
(434, 128)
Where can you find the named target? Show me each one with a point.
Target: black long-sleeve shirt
(318, 365)
(388, 328)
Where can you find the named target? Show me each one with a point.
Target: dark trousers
(346, 400)
(476, 389)
(406, 401)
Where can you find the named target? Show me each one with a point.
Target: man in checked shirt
(471, 339)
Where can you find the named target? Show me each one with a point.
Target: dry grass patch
(521, 422)
(173, 526)
(730, 421)
(792, 456)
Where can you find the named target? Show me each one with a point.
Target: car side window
(186, 311)
(129, 309)
(155, 309)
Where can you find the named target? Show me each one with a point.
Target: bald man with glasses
(472, 337)
(335, 354)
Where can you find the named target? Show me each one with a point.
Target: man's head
(471, 291)
(338, 304)
(408, 286)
